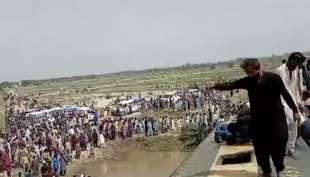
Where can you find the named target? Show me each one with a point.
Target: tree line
(187, 66)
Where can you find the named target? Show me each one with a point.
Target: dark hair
(253, 62)
(297, 57)
(283, 61)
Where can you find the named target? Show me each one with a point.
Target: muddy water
(137, 164)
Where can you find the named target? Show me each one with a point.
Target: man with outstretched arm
(268, 122)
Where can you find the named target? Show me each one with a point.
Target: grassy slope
(135, 82)
(150, 81)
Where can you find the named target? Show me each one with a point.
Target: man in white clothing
(292, 79)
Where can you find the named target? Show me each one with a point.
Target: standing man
(292, 79)
(268, 121)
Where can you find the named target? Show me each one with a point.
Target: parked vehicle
(194, 91)
(167, 96)
(128, 106)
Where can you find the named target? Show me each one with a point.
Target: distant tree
(212, 66)
(6, 84)
(230, 64)
(239, 60)
(35, 101)
(194, 86)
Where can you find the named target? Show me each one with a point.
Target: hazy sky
(54, 38)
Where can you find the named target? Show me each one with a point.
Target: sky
(55, 38)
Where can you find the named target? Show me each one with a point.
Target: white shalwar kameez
(173, 127)
(293, 85)
(101, 140)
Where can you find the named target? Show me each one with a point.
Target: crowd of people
(186, 101)
(30, 148)
(47, 147)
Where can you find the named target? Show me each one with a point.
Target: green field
(95, 87)
(154, 81)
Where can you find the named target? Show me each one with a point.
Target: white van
(134, 104)
(194, 92)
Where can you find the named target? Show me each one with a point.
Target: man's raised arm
(237, 84)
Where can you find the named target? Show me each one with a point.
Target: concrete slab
(199, 163)
(247, 169)
(203, 161)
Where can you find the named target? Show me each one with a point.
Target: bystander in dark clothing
(305, 131)
(268, 121)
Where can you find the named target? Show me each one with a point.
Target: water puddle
(137, 164)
